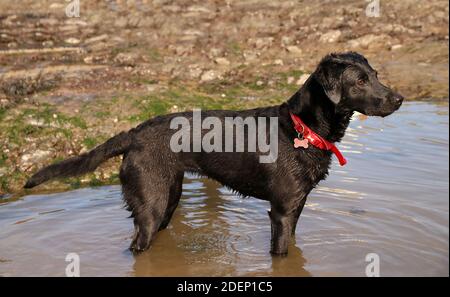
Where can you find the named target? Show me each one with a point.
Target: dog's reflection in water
(184, 263)
(291, 265)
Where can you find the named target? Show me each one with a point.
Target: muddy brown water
(391, 199)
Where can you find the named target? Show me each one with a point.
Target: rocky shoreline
(67, 84)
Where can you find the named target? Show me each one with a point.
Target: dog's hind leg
(174, 198)
(147, 194)
(145, 227)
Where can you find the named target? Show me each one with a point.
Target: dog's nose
(398, 99)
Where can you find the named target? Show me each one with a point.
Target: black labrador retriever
(152, 173)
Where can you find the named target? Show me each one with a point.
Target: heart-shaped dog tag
(300, 143)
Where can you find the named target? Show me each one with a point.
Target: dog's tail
(83, 163)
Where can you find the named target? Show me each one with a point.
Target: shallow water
(391, 199)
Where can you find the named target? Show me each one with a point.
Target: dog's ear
(329, 75)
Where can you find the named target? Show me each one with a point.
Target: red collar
(309, 136)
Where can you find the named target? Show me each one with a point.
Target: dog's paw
(140, 243)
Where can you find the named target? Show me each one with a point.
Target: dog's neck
(317, 111)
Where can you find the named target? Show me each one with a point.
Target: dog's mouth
(384, 110)
(381, 113)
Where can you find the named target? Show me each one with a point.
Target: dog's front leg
(284, 217)
(281, 231)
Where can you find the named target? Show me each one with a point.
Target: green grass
(253, 85)
(77, 122)
(90, 142)
(57, 160)
(53, 122)
(102, 114)
(95, 182)
(149, 107)
(113, 179)
(15, 177)
(3, 158)
(214, 95)
(235, 47)
(48, 115)
(74, 182)
(19, 130)
(4, 185)
(2, 113)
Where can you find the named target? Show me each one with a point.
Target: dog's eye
(361, 82)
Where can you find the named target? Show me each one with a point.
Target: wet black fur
(151, 174)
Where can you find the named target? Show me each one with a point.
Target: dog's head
(350, 82)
